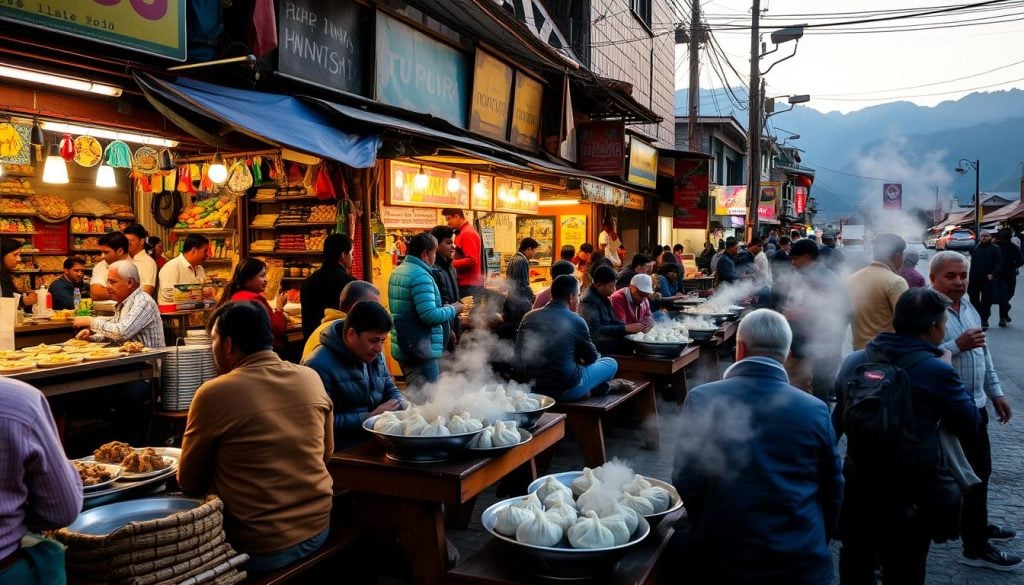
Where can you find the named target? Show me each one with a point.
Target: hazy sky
(924, 67)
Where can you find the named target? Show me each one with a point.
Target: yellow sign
(482, 193)
(492, 87)
(572, 230)
(526, 111)
(635, 201)
(516, 197)
(413, 185)
(643, 164)
(149, 26)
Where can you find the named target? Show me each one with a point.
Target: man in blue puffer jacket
(421, 318)
(350, 362)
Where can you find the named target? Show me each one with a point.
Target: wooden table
(97, 374)
(36, 332)
(658, 369)
(413, 494)
(586, 419)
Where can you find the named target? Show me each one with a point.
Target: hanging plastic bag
(323, 188)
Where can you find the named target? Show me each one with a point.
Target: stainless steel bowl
(566, 478)
(418, 449)
(666, 350)
(524, 437)
(527, 419)
(701, 334)
(562, 561)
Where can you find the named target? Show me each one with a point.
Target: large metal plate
(106, 519)
(566, 478)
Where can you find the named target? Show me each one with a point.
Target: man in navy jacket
(758, 469)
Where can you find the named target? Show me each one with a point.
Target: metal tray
(418, 449)
(528, 418)
(103, 520)
(566, 477)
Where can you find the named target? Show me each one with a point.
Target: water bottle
(78, 298)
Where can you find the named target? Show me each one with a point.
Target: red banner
(766, 205)
(51, 238)
(892, 196)
(799, 199)
(690, 194)
(601, 147)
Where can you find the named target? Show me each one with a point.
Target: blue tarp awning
(279, 119)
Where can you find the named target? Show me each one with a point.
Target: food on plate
(98, 354)
(539, 530)
(13, 366)
(11, 355)
(64, 314)
(133, 347)
(143, 461)
(51, 206)
(673, 332)
(42, 348)
(93, 473)
(76, 343)
(112, 452)
(500, 434)
(56, 359)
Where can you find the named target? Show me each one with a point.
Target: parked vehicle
(960, 240)
(940, 243)
(929, 240)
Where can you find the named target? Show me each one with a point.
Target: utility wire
(923, 84)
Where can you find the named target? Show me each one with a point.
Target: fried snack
(57, 359)
(143, 461)
(112, 452)
(42, 348)
(92, 473)
(133, 347)
(76, 343)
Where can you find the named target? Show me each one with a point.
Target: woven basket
(149, 560)
(137, 535)
(182, 372)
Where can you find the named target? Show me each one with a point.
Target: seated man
(262, 422)
(355, 291)
(606, 329)
(557, 269)
(555, 349)
(632, 304)
(350, 362)
(63, 289)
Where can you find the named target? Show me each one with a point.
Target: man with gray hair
(965, 341)
(758, 468)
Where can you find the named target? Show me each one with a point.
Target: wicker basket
(183, 370)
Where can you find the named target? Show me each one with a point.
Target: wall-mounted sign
(690, 194)
(541, 229)
(492, 92)
(572, 230)
(481, 194)
(51, 238)
(730, 200)
(418, 73)
(407, 217)
(799, 199)
(406, 187)
(156, 27)
(892, 196)
(643, 164)
(635, 201)
(526, 111)
(767, 205)
(601, 147)
(515, 196)
(603, 193)
(324, 42)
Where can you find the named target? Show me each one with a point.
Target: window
(642, 10)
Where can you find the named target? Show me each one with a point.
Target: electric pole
(693, 94)
(754, 121)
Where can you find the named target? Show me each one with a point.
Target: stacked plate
(184, 369)
(197, 337)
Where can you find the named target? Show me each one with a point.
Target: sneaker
(992, 558)
(998, 533)
(1008, 319)
(619, 386)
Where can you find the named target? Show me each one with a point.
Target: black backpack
(878, 414)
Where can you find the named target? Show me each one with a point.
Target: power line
(973, 75)
(921, 95)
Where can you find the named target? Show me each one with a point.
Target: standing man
(1007, 277)
(610, 244)
(965, 341)
(761, 264)
(446, 278)
(136, 235)
(185, 268)
(986, 265)
(607, 330)
(469, 251)
(763, 508)
(517, 280)
(725, 270)
(322, 289)
(63, 289)
(263, 421)
(875, 289)
(113, 247)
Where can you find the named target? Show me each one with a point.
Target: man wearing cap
(982, 288)
(632, 304)
(914, 278)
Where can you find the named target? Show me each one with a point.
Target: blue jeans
(593, 376)
(274, 561)
(420, 373)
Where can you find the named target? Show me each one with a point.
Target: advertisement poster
(602, 147)
(799, 200)
(573, 230)
(892, 196)
(730, 200)
(492, 90)
(767, 204)
(541, 229)
(407, 187)
(526, 111)
(690, 194)
(643, 164)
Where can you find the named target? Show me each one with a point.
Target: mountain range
(854, 154)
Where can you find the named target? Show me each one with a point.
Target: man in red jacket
(632, 304)
(469, 250)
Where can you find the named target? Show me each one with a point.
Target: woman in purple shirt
(914, 278)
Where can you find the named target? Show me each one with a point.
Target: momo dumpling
(629, 515)
(595, 498)
(589, 532)
(639, 504)
(508, 519)
(550, 486)
(539, 530)
(530, 502)
(388, 424)
(485, 440)
(436, 428)
(505, 433)
(414, 425)
(555, 497)
(523, 402)
(457, 425)
(617, 525)
(584, 482)
(636, 485)
(659, 498)
(561, 514)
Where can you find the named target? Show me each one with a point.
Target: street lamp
(960, 170)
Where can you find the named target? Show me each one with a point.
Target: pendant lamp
(105, 177)
(55, 170)
(217, 172)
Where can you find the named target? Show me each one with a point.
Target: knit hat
(8, 245)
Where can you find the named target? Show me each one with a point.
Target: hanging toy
(67, 148)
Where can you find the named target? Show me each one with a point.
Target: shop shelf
(218, 260)
(91, 233)
(17, 233)
(203, 231)
(25, 271)
(322, 224)
(289, 253)
(279, 199)
(73, 249)
(33, 251)
(18, 214)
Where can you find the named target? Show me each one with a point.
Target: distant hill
(918, 146)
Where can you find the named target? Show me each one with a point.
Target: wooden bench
(344, 533)
(585, 419)
(659, 369)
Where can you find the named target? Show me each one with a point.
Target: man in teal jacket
(421, 318)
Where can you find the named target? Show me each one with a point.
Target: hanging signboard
(526, 111)
(643, 164)
(325, 43)
(482, 193)
(690, 194)
(603, 193)
(515, 197)
(417, 73)
(635, 201)
(767, 204)
(730, 200)
(492, 90)
(892, 196)
(155, 27)
(407, 217)
(602, 147)
(408, 188)
(799, 199)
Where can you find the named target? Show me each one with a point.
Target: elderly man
(758, 468)
(113, 247)
(607, 330)
(875, 289)
(354, 292)
(262, 422)
(185, 268)
(633, 303)
(970, 356)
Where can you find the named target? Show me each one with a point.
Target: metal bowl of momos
(566, 478)
(527, 419)
(418, 448)
(562, 561)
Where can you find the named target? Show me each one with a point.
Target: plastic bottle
(46, 299)
(77, 298)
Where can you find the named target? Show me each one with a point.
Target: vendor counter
(36, 332)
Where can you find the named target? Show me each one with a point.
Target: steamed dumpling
(505, 433)
(550, 486)
(388, 423)
(561, 514)
(436, 428)
(508, 519)
(523, 402)
(595, 498)
(629, 515)
(555, 497)
(636, 485)
(584, 482)
(539, 530)
(617, 525)
(530, 502)
(659, 498)
(485, 440)
(414, 425)
(589, 532)
(639, 504)
(464, 423)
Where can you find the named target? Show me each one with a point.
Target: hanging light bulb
(503, 194)
(454, 184)
(524, 195)
(217, 172)
(55, 170)
(479, 189)
(421, 180)
(37, 133)
(105, 177)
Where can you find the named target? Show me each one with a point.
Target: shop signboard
(635, 201)
(395, 218)
(572, 230)
(492, 91)
(516, 197)
(602, 147)
(602, 193)
(405, 190)
(892, 196)
(767, 205)
(324, 42)
(643, 164)
(51, 238)
(481, 196)
(690, 194)
(526, 111)
(155, 27)
(541, 229)
(799, 200)
(420, 74)
(730, 200)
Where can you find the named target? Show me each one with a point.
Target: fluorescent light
(62, 128)
(105, 177)
(55, 170)
(555, 202)
(31, 75)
